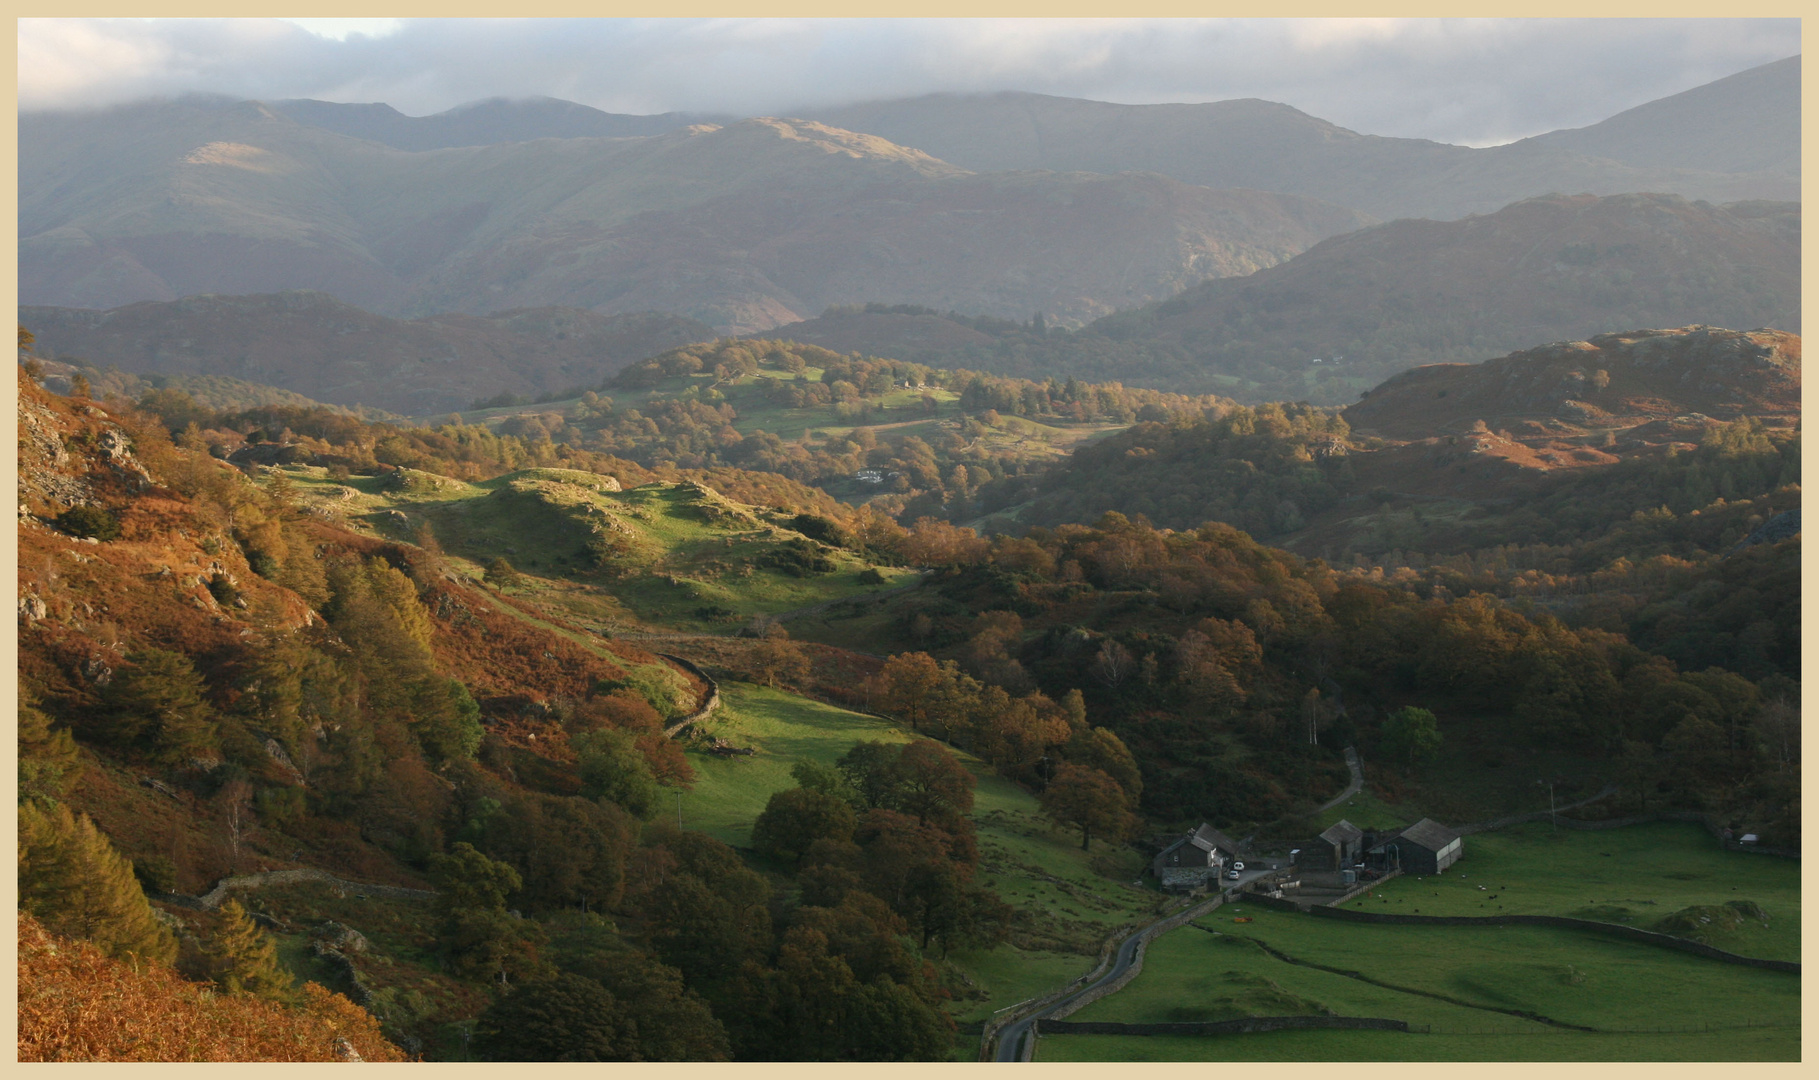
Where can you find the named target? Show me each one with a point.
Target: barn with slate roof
(1426, 847)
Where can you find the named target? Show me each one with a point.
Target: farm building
(1426, 847)
(1192, 860)
(1340, 847)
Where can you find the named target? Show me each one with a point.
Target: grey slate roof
(1343, 832)
(1429, 833)
(1207, 838)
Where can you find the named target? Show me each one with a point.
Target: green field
(1067, 907)
(1646, 1002)
(1635, 875)
(1772, 1044)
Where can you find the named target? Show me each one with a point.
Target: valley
(978, 576)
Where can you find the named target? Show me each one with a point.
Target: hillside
(317, 346)
(743, 227)
(1354, 310)
(1737, 124)
(245, 673)
(1251, 143)
(1612, 382)
(1501, 433)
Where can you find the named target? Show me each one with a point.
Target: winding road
(1012, 1036)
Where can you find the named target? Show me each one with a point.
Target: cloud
(1476, 81)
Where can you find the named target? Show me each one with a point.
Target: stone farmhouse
(1195, 859)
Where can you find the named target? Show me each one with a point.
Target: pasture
(1489, 992)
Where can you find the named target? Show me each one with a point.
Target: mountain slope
(744, 227)
(1737, 124)
(1274, 147)
(1355, 309)
(313, 344)
(1555, 268)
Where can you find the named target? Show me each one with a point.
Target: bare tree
(1113, 664)
(236, 802)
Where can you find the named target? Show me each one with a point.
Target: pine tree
(74, 881)
(245, 958)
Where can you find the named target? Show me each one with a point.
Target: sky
(1476, 82)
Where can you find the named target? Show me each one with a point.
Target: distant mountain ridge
(1727, 141)
(315, 345)
(743, 227)
(484, 123)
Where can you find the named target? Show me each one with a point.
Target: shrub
(89, 521)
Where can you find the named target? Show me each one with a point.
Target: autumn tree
(1100, 748)
(1089, 800)
(775, 657)
(910, 683)
(933, 785)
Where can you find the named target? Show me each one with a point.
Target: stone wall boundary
(1695, 817)
(708, 705)
(1242, 1026)
(1145, 936)
(211, 900)
(988, 1033)
(1630, 933)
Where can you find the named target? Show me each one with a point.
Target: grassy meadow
(1453, 980)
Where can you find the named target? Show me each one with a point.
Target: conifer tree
(74, 882)
(159, 703)
(48, 757)
(245, 959)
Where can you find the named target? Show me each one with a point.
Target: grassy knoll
(677, 554)
(1450, 979)
(730, 792)
(1636, 875)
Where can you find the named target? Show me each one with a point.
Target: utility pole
(1552, 814)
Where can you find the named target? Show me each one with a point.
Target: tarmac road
(1010, 1039)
